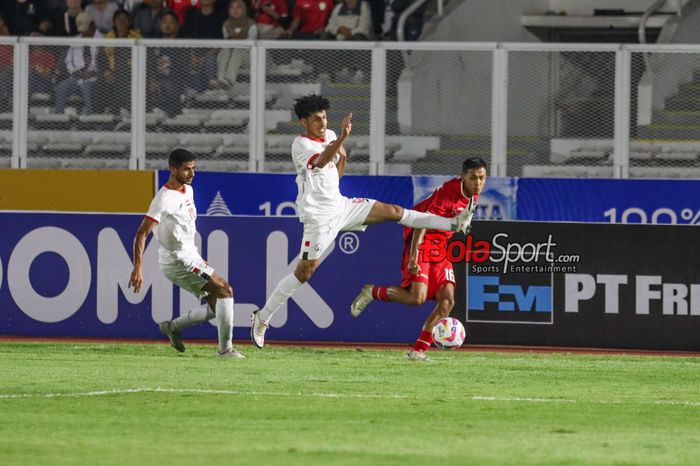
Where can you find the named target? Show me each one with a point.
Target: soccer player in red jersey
(422, 278)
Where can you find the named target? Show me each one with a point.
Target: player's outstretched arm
(341, 161)
(145, 229)
(332, 149)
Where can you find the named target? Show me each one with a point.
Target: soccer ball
(448, 333)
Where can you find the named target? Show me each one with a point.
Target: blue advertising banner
(273, 195)
(610, 201)
(67, 275)
(497, 200)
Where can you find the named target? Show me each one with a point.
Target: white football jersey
(319, 194)
(176, 214)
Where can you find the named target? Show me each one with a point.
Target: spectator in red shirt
(42, 70)
(310, 18)
(180, 8)
(272, 16)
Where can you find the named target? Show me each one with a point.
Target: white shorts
(191, 274)
(351, 216)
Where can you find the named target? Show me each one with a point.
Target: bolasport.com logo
(500, 254)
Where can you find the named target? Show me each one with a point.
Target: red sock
(423, 342)
(381, 293)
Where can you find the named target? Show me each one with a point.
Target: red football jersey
(278, 6)
(313, 14)
(446, 201)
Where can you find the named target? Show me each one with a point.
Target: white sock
(193, 317)
(224, 322)
(282, 292)
(415, 219)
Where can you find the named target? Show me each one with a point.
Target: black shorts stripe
(305, 256)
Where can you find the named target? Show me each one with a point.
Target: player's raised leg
(382, 212)
(444, 303)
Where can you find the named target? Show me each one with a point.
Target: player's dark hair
(309, 104)
(473, 162)
(179, 156)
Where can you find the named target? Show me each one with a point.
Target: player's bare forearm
(341, 161)
(330, 152)
(139, 247)
(144, 230)
(333, 148)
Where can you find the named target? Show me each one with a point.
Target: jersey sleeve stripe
(310, 163)
(149, 217)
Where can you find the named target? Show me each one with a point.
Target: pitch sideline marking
(314, 394)
(192, 390)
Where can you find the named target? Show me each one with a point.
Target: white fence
(419, 108)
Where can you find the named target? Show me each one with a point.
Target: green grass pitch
(132, 404)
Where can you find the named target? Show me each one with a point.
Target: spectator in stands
(84, 64)
(350, 20)
(272, 18)
(413, 27)
(4, 29)
(118, 71)
(147, 20)
(63, 19)
(122, 27)
(238, 26)
(181, 7)
(42, 70)
(167, 70)
(102, 12)
(204, 22)
(170, 29)
(309, 18)
(132, 6)
(56, 5)
(27, 17)
(378, 9)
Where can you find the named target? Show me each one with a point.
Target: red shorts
(434, 274)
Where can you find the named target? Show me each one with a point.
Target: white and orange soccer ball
(448, 333)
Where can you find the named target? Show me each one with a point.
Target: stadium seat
(109, 146)
(53, 121)
(95, 122)
(202, 145)
(226, 121)
(183, 123)
(159, 145)
(6, 121)
(677, 156)
(6, 145)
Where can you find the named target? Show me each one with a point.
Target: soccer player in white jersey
(171, 217)
(319, 159)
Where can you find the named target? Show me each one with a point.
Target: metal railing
(528, 109)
